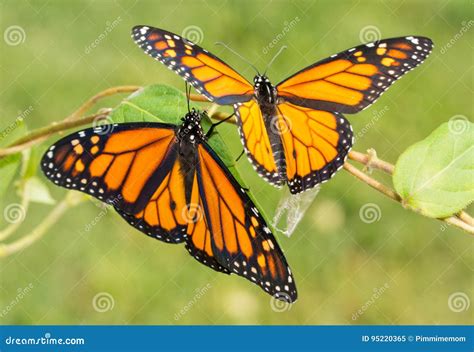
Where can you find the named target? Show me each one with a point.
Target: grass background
(338, 260)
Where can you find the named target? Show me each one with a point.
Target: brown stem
(41, 134)
(93, 100)
(370, 160)
(372, 182)
(198, 97)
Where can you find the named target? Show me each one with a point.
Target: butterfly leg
(214, 125)
(240, 155)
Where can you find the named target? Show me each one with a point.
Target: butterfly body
(293, 132)
(167, 182)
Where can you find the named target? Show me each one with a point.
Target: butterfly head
(264, 90)
(191, 130)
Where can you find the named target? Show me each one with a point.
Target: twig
(105, 93)
(71, 199)
(461, 220)
(198, 97)
(372, 182)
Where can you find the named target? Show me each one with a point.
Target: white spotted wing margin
(241, 240)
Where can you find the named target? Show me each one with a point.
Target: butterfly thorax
(190, 131)
(265, 92)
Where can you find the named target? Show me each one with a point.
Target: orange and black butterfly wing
(205, 72)
(239, 238)
(315, 144)
(131, 166)
(353, 79)
(257, 144)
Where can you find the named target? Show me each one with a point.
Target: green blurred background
(339, 260)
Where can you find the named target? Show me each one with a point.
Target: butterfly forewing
(130, 166)
(353, 79)
(205, 72)
(141, 169)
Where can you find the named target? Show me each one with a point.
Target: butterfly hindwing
(130, 166)
(240, 238)
(353, 79)
(256, 141)
(315, 144)
(205, 72)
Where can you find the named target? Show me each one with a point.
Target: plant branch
(69, 201)
(37, 136)
(93, 100)
(371, 161)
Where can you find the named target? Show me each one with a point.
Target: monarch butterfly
(166, 181)
(293, 132)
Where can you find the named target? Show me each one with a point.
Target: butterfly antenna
(274, 58)
(237, 54)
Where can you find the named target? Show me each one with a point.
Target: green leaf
(10, 163)
(8, 169)
(161, 103)
(36, 191)
(436, 176)
(156, 103)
